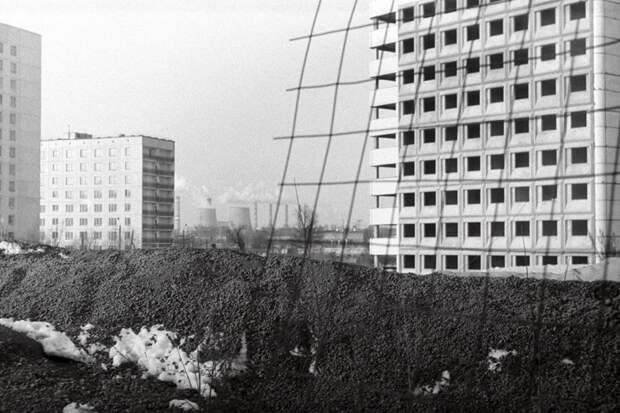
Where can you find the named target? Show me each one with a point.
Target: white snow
(14, 248)
(185, 405)
(567, 362)
(54, 342)
(78, 408)
(442, 383)
(495, 357)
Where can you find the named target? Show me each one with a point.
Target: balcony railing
(158, 213)
(157, 199)
(158, 171)
(161, 227)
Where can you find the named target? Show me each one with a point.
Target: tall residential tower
(20, 132)
(496, 133)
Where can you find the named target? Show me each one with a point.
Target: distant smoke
(260, 192)
(198, 195)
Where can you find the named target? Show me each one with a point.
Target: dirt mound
(331, 337)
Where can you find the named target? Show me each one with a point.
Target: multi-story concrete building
(496, 132)
(20, 132)
(112, 192)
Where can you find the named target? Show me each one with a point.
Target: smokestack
(177, 214)
(256, 215)
(271, 223)
(285, 215)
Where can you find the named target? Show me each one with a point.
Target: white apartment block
(20, 132)
(496, 133)
(110, 192)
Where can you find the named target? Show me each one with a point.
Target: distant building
(110, 192)
(495, 133)
(20, 132)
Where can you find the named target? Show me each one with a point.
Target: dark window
(428, 41)
(451, 165)
(497, 127)
(522, 91)
(473, 131)
(473, 196)
(452, 197)
(452, 262)
(473, 98)
(473, 32)
(429, 135)
(409, 230)
(428, 9)
(450, 101)
(498, 261)
(429, 230)
(547, 52)
(522, 194)
(547, 17)
(549, 192)
(473, 262)
(520, 57)
(408, 168)
(429, 104)
(451, 133)
(578, 119)
(578, 83)
(409, 199)
(409, 137)
(579, 155)
(497, 195)
(547, 87)
(522, 228)
(578, 10)
(472, 65)
(497, 161)
(408, 107)
(408, 14)
(580, 227)
(473, 163)
(549, 158)
(408, 76)
(430, 262)
(520, 22)
(430, 198)
(429, 72)
(550, 228)
(522, 159)
(548, 122)
(429, 167)
(578, 47)
(472, 3)
(452, 229)
(579, 191)
(409, 261)
(449, 6)
(496, 27)
(497, 229)
(449, 69)
(496, 61)
(408, 45)
(449, 37)
(522, 260)
(473, 229)
(579, 259)
(522, 125)
(549, 260)
(496, 94)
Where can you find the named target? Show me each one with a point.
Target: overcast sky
(212, 76)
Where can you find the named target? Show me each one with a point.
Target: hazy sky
(212, 76)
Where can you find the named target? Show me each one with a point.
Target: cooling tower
(239, 217)
(208, 217)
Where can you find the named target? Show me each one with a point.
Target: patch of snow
(78, 408)
(495, 357)
(63, 256)
(442, 383)
(10, 248)
(185, 405)
(567, 362)
(54, 342)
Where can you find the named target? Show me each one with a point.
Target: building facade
(496, 133)
(111, 192)
(20, 132)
